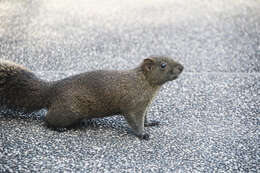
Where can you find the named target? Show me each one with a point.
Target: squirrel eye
(163, 65)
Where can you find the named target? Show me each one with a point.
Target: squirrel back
(20, 89)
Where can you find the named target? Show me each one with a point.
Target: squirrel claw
(146, 136)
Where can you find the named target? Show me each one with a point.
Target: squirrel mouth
(174, 77)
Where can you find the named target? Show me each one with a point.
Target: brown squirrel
(93, 94)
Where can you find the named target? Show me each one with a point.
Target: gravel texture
(210, 116)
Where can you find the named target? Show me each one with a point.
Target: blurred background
(207, 36)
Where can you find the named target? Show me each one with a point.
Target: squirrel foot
(58, 129)
(144, 136)
(151, 123)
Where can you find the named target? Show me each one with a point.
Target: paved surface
(209, 117)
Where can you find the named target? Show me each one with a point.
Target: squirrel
(93, 94)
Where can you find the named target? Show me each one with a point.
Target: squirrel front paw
(144, 136)
(151, 123)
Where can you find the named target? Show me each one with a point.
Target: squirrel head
(161, 69)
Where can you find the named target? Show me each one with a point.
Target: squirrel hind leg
(62, 118)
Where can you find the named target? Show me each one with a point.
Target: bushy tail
(20, 89)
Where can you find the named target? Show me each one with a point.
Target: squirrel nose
(180, 67)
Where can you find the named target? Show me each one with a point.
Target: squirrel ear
(147, 64)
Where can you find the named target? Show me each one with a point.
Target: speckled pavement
(209, 117)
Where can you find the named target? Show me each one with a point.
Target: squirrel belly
(20, 89)
(89, 95)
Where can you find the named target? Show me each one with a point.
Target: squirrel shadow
(115, 123)
(20, 114)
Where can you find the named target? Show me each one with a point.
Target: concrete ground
(209, 117)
